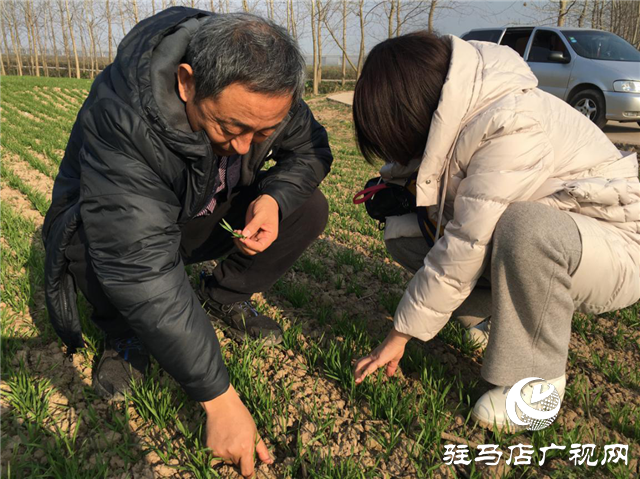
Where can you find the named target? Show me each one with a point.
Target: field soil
(335, 305)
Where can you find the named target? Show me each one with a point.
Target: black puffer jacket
(133, 173)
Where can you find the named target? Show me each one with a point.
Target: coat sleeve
(303, 160)
(505, 168)
(130, 218)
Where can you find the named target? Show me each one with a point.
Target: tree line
(78, 38)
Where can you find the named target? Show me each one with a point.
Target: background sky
(458, 20)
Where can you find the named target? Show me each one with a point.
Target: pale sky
(468, 15)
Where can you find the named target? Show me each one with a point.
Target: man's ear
(186, 82)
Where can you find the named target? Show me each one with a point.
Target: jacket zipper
(208, 185)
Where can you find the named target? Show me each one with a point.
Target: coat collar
(479, 74)
(459, 94)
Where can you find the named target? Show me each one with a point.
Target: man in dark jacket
(173, 138)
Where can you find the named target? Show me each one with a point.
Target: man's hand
(232, 434)
(261, 228)
(389, 354)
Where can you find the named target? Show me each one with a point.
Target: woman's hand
(389, 353)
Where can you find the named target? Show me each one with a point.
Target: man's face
(236, 118)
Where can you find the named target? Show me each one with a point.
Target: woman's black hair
(397, 94)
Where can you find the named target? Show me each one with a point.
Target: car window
(517, 39)
(545, 42)
(483, 35)
(599, 45)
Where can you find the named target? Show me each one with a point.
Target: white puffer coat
(496, 139)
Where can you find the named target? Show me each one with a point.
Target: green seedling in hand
(228, 227)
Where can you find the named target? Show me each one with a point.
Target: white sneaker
(479, 334)
(491, 409)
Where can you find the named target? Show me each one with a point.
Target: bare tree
(121, 12)
(65, 41)
(73, 38)
(362, 21)
(42, 42)
(4, 39)
(136, 18)
(90, 22)
(49, 8)
(30, 20)
(432, 12)
(583, 14)
(109, 30)
(342, 45)
(344, 42)
(314, 38)
(15, 37)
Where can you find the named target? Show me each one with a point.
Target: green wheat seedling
(226, 226)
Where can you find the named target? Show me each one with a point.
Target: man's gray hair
(246, 49)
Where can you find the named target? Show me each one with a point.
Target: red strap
(368, 193)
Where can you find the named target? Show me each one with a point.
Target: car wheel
(591, 104)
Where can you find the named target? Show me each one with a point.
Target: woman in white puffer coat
(526, 189)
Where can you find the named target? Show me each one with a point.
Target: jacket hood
(480, 73)
(144, 75)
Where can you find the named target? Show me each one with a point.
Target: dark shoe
(241, 319)
(123, 360)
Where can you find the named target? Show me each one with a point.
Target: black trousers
(235, 278)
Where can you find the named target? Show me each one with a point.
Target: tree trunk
(42, 41)
(432, 11)
(73, 38)
(34, 36)
(4, 40)
(583, 14)
(319, 33)
(92, 37)
(121, 10)
(109, 31)
(135, 11)
(314, 38)
(53, 38)
(562, 7)
(31, 38)
(27, 26)
(344, 42)
(398, 22)
(64, 38)
(636, 33)
(362, 40)
(391, 18)
(83, 46)
(15, 39)
(294, 25)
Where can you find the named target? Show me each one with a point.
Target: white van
(596, 72)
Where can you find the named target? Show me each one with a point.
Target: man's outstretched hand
(262, 221)
(232, 434)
